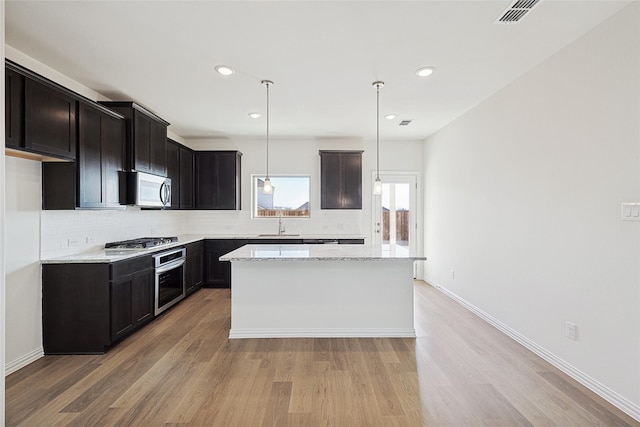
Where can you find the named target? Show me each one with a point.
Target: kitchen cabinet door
(113, 137)
(217, 274)
(158, 148)
(186, 178)
(131, 303)
(50, 120)
(218, 180)
(93, 181)
(194, 268)
(40, 116)
(142, 297)
(100, 157)
(173, 172)
(14, 109)
(132, 295)
(141, 142)
(146, 138)
(341, 179)
(121, 308)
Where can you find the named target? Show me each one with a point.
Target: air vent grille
(405, 123)
(516, 11)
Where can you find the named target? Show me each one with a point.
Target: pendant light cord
(378, 131)
(267, 83)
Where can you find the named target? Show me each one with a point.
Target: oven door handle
(170, 266)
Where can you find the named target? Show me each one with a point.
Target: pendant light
(377, 184)
(267, 188)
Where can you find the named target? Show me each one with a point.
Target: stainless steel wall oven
(170, 278)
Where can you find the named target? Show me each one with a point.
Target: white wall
(2, 228)
(300, 156)
(523, 199)
(22, 263)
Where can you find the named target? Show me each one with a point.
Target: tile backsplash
(71, 232)
(327, 222)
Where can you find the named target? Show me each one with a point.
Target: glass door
(395, 213)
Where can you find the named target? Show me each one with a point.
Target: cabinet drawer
(124, 268)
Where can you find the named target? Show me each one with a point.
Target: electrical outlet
(571, 331)
(453, 274)
(90, 239)
(72, 242)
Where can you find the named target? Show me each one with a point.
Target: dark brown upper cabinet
(93, 181)
(173, 172)
(14, 108)
(40, 115)
(340, 179)
(186, 178)
(180, 170)
(146, 138)
(217, 178)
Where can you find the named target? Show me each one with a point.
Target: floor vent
(516, 11)
(405, 123)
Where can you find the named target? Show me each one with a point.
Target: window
(290, 197)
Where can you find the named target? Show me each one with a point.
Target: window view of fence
(289, 198)
(402, 227)
(395, 213)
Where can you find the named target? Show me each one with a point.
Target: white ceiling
(323, 57)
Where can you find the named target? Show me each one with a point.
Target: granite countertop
(320, 253)
(102, 256)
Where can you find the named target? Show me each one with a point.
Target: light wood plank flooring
(182, 370)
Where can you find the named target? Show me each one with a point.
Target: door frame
(419, 238)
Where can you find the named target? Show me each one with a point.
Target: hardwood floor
(182, 370)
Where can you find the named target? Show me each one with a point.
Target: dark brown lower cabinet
(88, 307)
(131, 303)
(217, 274)
(194, 269)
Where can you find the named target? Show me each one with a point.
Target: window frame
(254, 194)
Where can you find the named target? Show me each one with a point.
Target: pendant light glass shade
(267, 188)
(377, 187)
(377, 184)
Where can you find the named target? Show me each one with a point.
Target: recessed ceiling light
(390, 116)
(255, 115)
(425, 71)
(225, 70)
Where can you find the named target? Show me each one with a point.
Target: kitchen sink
(278, 235)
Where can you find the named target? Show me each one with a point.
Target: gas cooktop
(139, 244)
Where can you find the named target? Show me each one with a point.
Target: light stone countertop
(320, 253)
(102, 256)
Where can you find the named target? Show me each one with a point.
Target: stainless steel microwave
(147, 190)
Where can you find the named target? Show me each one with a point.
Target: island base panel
(272, 299)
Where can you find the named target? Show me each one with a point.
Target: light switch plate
(630, 211)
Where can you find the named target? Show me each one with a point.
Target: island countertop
(321, 253)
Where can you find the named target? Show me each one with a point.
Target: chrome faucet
(280, 226)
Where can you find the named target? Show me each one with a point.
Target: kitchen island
(321, 291)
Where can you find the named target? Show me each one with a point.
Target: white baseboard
(600, 389)
(322, 333)
(23, 361)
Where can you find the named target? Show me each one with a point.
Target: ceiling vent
(516, 11)
(405, 123)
